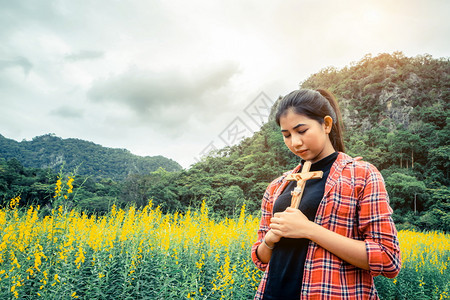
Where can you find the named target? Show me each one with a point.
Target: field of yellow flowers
(144, 254)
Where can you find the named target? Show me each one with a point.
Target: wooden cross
(301, 179)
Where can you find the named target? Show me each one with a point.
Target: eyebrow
(295, 127)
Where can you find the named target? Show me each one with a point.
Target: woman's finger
(275, 220)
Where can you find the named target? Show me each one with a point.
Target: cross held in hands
(301, 179)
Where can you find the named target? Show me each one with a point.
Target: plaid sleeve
(266, 214)
(377, 226)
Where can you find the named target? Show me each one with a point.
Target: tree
(404, 191)
(438, 216)
(233, 199)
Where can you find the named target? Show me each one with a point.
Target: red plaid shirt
(355, 205)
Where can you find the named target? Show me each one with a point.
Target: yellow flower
(14, 202)
(69, 184)
(58, 187)
(80, 257)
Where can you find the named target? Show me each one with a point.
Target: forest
(52, 152)
(396, 116)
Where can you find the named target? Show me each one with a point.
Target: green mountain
(395, 110)
(50, 151)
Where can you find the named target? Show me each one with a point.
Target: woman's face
(306, 137)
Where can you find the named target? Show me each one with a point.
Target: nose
(296, 141)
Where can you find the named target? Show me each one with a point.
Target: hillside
(395, 110)
(49, 151)
(387, 87)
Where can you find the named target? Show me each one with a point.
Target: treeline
(37, 186)
(396, 116)
(227, 179)
(50, 151)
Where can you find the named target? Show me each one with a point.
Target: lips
(301, 152)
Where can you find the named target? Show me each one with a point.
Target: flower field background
(144, 254)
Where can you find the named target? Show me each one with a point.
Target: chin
(304, 157)
(310, 158)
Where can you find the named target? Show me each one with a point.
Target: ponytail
(336, 134)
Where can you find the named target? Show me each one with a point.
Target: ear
(328, 124)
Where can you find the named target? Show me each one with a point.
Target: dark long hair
(315, 104)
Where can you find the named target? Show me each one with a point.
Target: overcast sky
(177, 78)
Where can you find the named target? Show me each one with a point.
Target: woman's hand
(291, 223)
(271, 238)
(264, 250)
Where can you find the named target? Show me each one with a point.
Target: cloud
(135, 74)
(162, 97)
(19, 61)
(84, 55)
(67, 112)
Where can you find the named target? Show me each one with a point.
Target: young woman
(342, 235)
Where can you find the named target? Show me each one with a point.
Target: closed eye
(299, 132)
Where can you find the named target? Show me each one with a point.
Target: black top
(288, 257)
